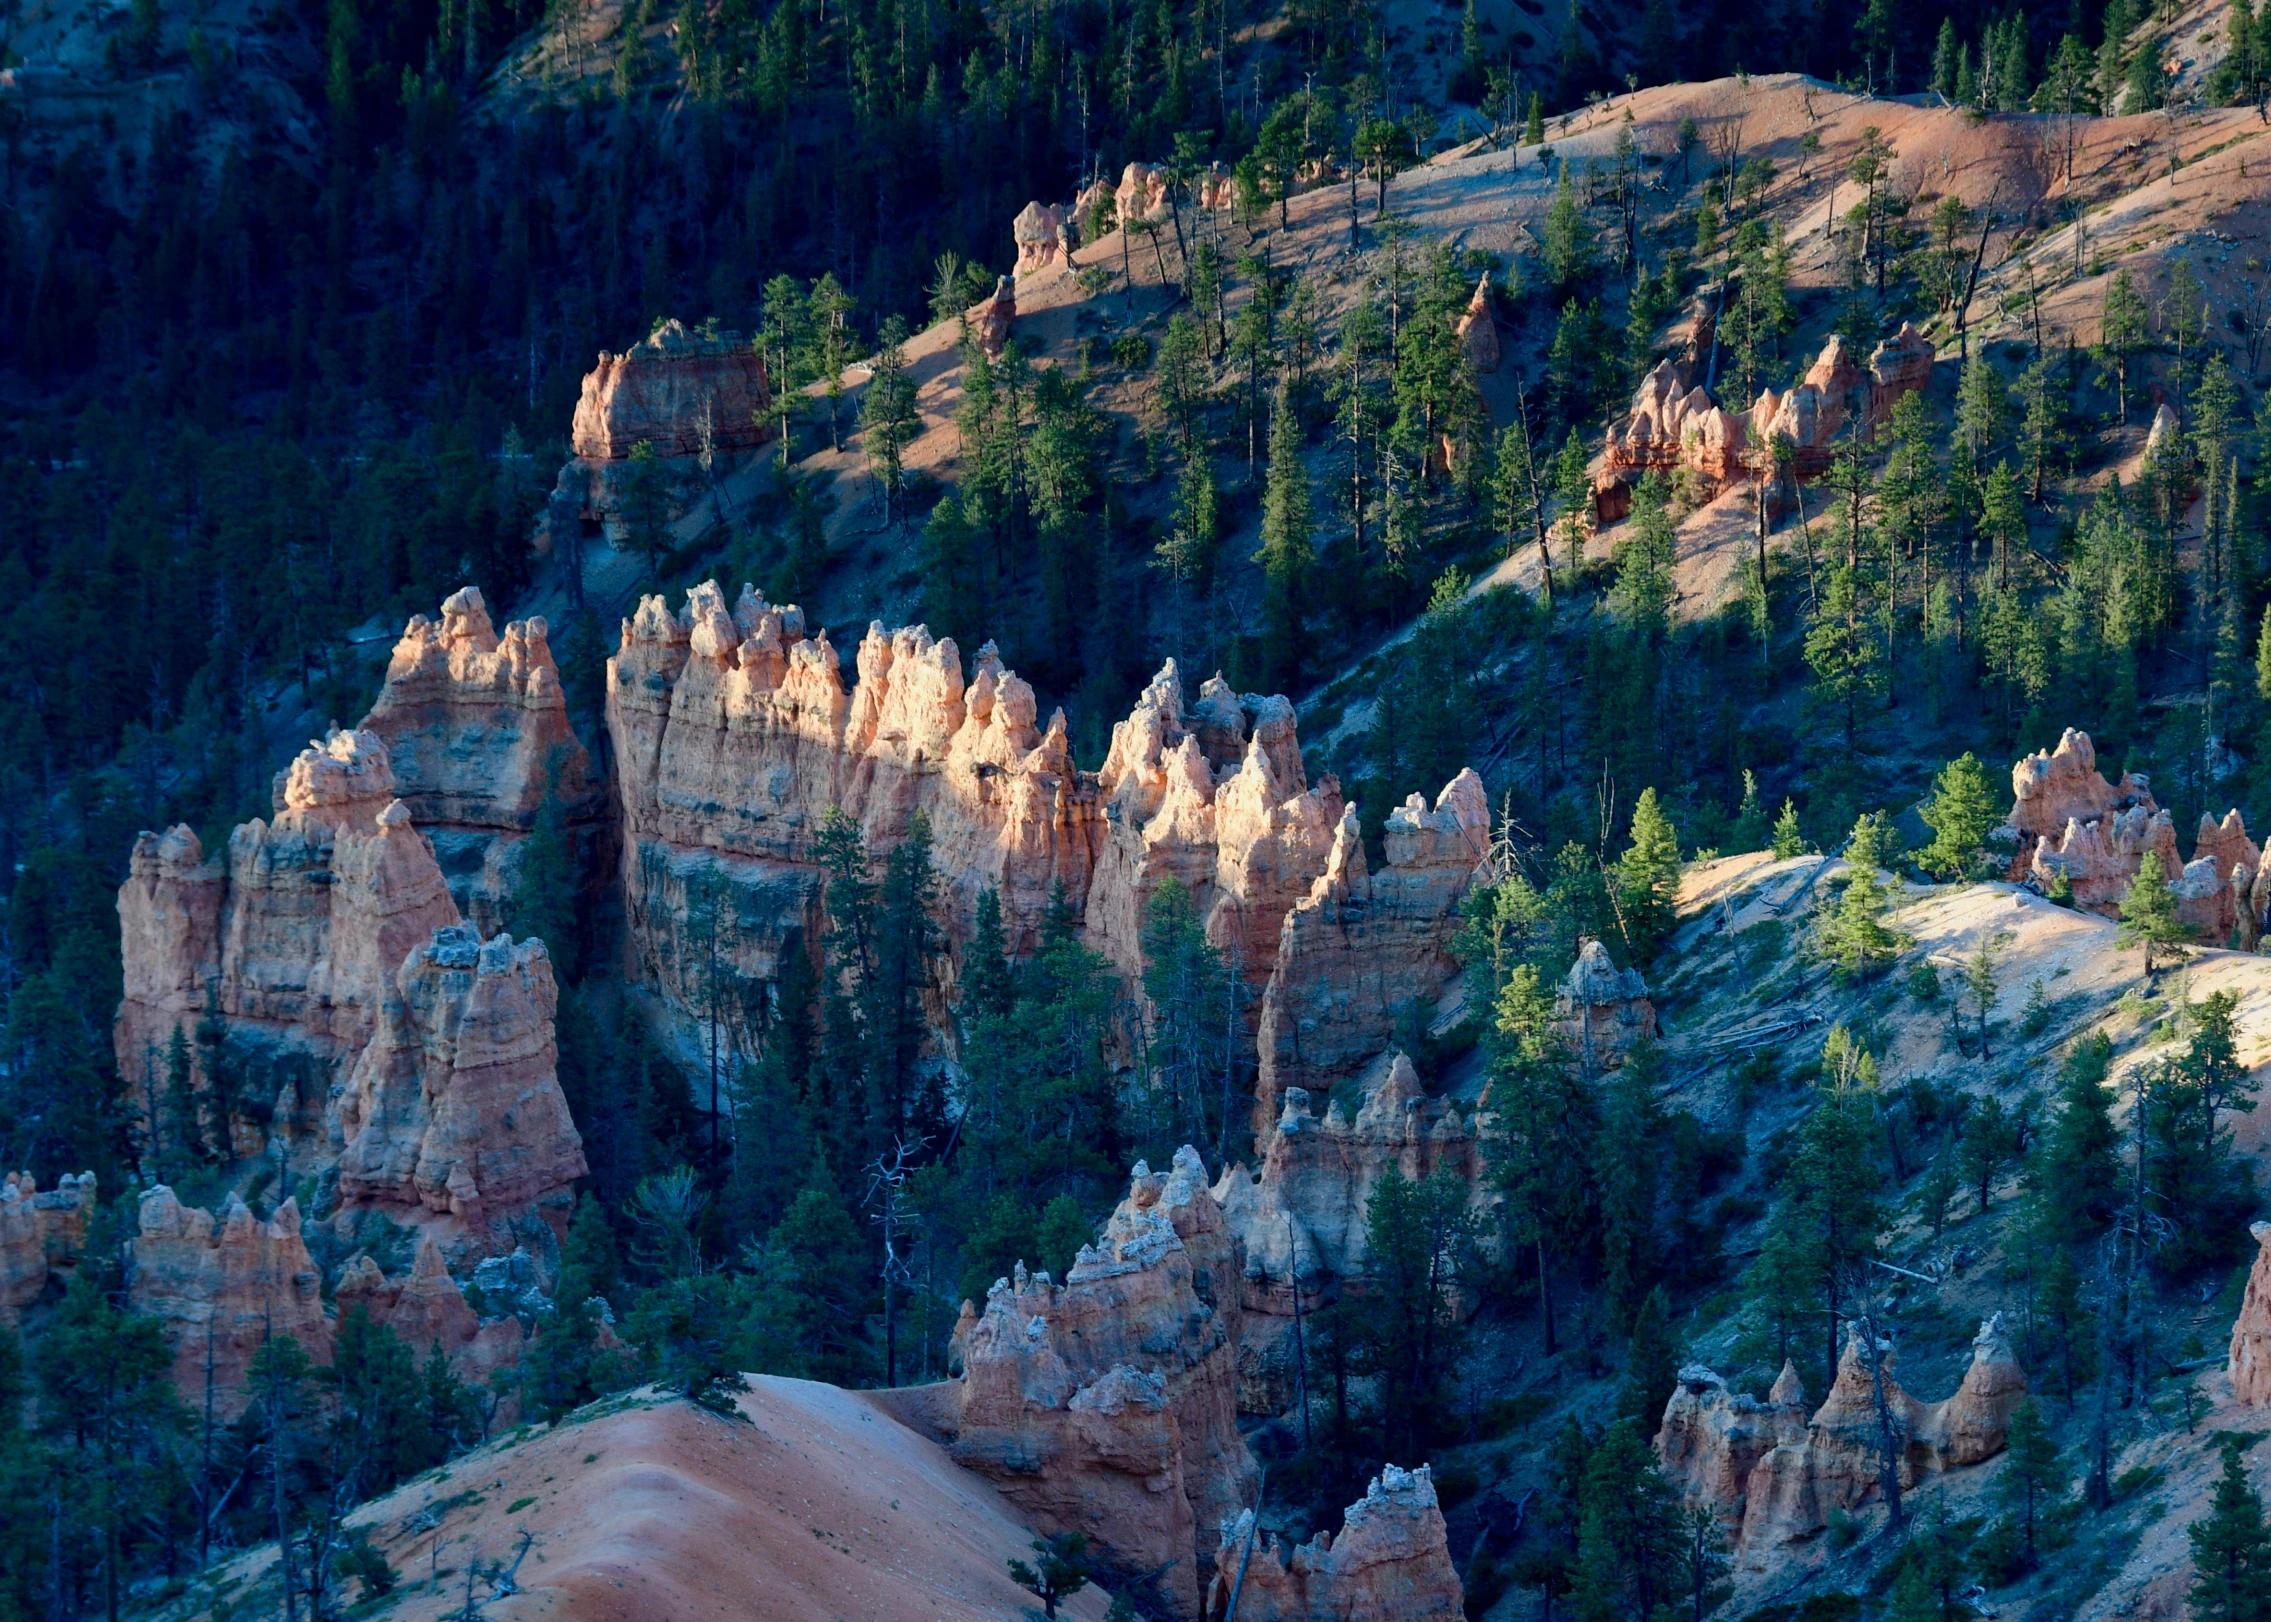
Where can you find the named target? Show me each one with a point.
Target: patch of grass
(591, 1458)
(2136, 1479)
(517, 1505)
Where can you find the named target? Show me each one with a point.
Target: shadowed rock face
(2251, 1331)
(1776, 1476)
(40, 1235)
(1390, 1563)
(1107, 1405)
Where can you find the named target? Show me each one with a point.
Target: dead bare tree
(1892, 1439)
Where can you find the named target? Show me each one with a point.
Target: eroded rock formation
(1390, 1563)
(1675, 423)
(2074, 830)
(1602, 1011)
(1776, 1476)
(1477, 330)
(476, 729)
(1107, 1405)
(456, 1105)
(2251, 1331)
(425, 1307)
(223, 1287)
(1299, 1219)
(1141, 193)
(1364, 948)
(677, 391)
(40, 1235)
(993, 318)
(1043, 234)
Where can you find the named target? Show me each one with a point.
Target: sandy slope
(822, 1507)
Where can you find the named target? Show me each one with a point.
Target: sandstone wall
(40, 1235)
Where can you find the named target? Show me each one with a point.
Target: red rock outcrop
(1043, 234)
(456, 1106)
(426, 1308)
(1142, 192)
(1107, 1404)
(1602, 1011)
(222, 1288)
(2067, 822)
(476, 730)
(1477, 330)
(673, 391)
(1300, 1219)
(1362, 947)
(40, 1235)
(1390, 1563)
(994, 318)
(1775, 1476)
(2251, 1331)
(1674, 422)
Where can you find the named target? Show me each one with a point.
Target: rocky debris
(223, 1287)
(40, 1235)
(1043, 234)
(2251, 1331)
(1602, 1011)
(1299, 1220)
(994, 318)
(1477, 329)
(1107, 1404)
(477, 730)
(1392, 1559)
(1776, 1476)
(1362, 947)
(2068, 823)
(456, 1105)
(680, 391)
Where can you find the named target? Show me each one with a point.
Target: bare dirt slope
(821, 1507)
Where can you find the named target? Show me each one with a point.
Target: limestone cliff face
(455, 1105)
(1390, 1563)
(476, 726)
(1362, 946)
(1775, 1476)
(1107, 1404)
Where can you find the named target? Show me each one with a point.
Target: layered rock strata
(1775, 1476)
(477, 733)
(689, 396)
(1390, 1563)
(1602, 1011)
(223, 1287)
(335, 992)
(1107, 1405)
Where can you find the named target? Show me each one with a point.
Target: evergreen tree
(1413, 1330)
(2148, 913)
(2231, 1549)
(1648, 878)
(1855, 934)
(1570, 244)
(889, 420)
(1548, 1127)
(2121, 328)
(2030, 1473)
(1629, 1533)
(1788, 840)
(1286, 554)
(1960, 814)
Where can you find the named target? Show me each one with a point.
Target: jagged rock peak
(346, 768)
(1391, 1559)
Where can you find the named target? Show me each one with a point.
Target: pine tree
(888, 418)
(1286, 554)
(2030, 1472)
(2122, 331)
(1652, 1364)
(1547, 1126)
(1788, 840)
(2148, 914)
(1960, 813)
(2075, 1171)
(1569, 243)
(1855, 935)
(1629, 1533)
(1648, 878)
(2231, 1549)
(1534, 125)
